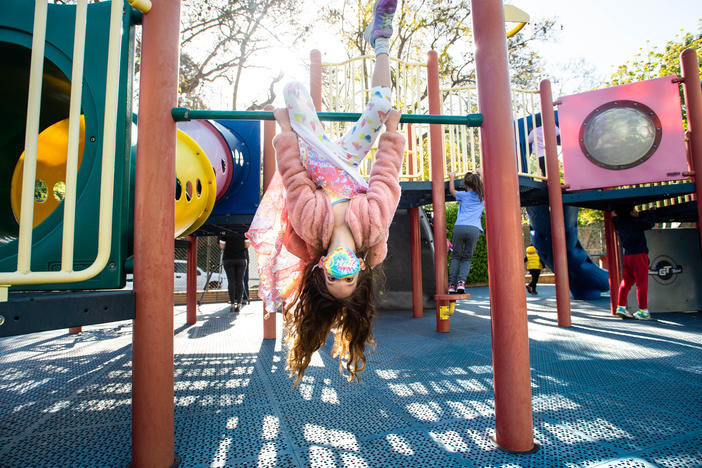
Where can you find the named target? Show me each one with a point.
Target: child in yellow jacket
(533, 264)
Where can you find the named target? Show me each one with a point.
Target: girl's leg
(459, 246)
(472, 234)
(381, 72)
(357, 142)
(303, 115)
(641, 277)
(627, 280)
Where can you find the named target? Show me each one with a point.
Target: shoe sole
(641, 318)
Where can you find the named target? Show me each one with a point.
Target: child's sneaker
(381, 22)
(452, 289)
(461, 288)
(642, 314)
(623, 312)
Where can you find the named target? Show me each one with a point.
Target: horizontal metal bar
(181, 114)
(608, 200)
(635, 193)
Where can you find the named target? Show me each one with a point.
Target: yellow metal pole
(31, 137)
(69, 202)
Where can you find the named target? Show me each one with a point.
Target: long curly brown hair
(313, 313)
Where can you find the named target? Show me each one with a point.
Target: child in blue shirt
(467, 228)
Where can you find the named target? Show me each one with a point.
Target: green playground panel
(15, 51)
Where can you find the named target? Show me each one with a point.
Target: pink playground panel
(668, 160)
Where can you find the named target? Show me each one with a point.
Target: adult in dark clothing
(245, 296)
(236, 264)
(631, 225)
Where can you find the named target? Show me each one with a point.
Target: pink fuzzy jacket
(368, 216)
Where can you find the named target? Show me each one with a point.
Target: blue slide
(587, 280)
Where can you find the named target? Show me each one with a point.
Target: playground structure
(154, 215)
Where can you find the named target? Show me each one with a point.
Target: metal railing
(345, 86)
(180, 114)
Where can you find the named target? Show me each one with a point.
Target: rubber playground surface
(606, 393)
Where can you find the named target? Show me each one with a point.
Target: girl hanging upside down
(321, 229)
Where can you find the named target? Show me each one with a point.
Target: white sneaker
(642, 314)
(381, 22)
(623, 312)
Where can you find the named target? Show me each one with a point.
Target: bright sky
(608, 33)
(605, 33)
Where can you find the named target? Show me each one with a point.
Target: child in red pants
(631, 225)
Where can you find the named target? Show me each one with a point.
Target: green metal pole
(182, 114)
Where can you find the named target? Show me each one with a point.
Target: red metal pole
(555, 200)
(689, 67)
(191, 282)
(416, 257)
(154, 215)
(438, 196)
(510, 343)
(269, 324)
(415, 242)
(612, 260)
(316, 78)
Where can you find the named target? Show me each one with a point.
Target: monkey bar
(181, 114)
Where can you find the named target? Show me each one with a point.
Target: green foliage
(526, 65)
(524, 216)
(479, 266)
(442, 25)
(587, 217)
(40, 191)
(656, 63)
(222, 39)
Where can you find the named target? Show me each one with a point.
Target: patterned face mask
(342, 263)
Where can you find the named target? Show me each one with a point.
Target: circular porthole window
(620, 134)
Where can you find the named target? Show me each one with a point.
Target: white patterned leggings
(355, 144)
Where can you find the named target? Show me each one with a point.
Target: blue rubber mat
(606, 392)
